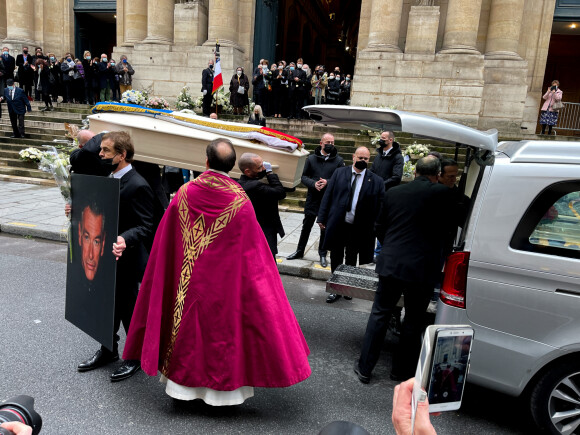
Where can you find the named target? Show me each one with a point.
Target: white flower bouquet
(31, 154)
(409, 169)
(134, 97)
(221, 97)
(57, 164)
(184, 100)
(416, 150)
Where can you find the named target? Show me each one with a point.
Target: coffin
(179, 139)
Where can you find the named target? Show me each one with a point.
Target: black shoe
(44, 109)
(323, 262)
(364, 379)
(333, 297)
(127, 369)
(398, 378)
(15, 137)
(348, 298)
(296, 255)
(99, 359)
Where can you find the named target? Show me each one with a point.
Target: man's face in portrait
(91, 241)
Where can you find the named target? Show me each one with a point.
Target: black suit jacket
(9, 65)
(25, 73)
(265, 199)
(207, 80)
(334, 204)
(135, 226)
(19, 104)
(412, 225)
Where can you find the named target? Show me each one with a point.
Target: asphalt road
(39, 351)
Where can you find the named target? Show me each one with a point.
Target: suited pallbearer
(348, 211)
(18, 105)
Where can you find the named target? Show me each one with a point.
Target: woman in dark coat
(239, 83)
(55, 72)
(257, 117)
(42, 76)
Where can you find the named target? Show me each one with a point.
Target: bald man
(84, 136)
(348, 212)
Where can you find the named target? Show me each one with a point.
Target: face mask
(112, 63)
(381, 143)
(328, 148)
(348, 79)
(108, 166)
(331, 77)
(52, 58)
(291, 68)
(299, 65)
(210, 66)
(304, 69)
(25, 51)
(239, 73)
(10, 87)
(68, 59)
(337, 77)
(360, 165)
(124, 60)
(5, 53)
(274, 67)
(88, 57)
(261, 174)
(104, 59)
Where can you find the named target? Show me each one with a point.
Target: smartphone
(442, 367)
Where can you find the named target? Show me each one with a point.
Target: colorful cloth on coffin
(267, 136)
(212, 311)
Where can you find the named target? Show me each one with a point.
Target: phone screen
(449, 368)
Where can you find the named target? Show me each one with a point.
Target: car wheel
(555, 400)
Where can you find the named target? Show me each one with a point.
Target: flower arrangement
(416, 150)
(221, 97)
(134, 97)
(409, 169)
(57, 164)
(157, 103)
(184, 100)
(31, 154)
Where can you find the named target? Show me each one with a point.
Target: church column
(503, 33)
(385, 25)
(461, 27)
(2, 19)
(223, 22)
(20, 22)
(160, 14)
(135, 19)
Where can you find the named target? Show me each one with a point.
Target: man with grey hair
(264, 196)
(412, 226)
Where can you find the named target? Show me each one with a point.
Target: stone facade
(477, 62)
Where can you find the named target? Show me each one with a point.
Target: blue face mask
(291, 68)
(10, 87)
(52, 58)
(5, 53)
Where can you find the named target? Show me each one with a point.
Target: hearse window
(551, 225)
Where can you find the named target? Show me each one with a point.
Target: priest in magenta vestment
(212, 314)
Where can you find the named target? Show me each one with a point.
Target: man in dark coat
(296, 90)
(25, 72)
(131, 247)
(388, 164)
(412, 225)
(318, 169)
(207, 87)
(264, 196)
(18, 105)
(9, 64)
(348, 211)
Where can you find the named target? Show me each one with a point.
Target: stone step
(25, 172)
(27, 180)
(16, 162)
(6, 129)
(28, 123)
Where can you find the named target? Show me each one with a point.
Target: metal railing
(569, 118)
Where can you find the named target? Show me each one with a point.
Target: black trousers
(272, 239)
(207, 99)
(347, 249)
(17, 122)
(307, 224)
(126, 291)
(417, 298)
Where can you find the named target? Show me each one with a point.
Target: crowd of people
(45, 77)
(282, 90)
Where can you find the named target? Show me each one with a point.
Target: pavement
(35, 211)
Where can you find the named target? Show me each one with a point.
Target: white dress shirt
(121, 172)
(349, 218)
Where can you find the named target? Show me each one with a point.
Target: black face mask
(25, 51)
(360, 165)
(261, 174)
(210, 66)
(382, 144)
(108, 166)
(328, 148)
